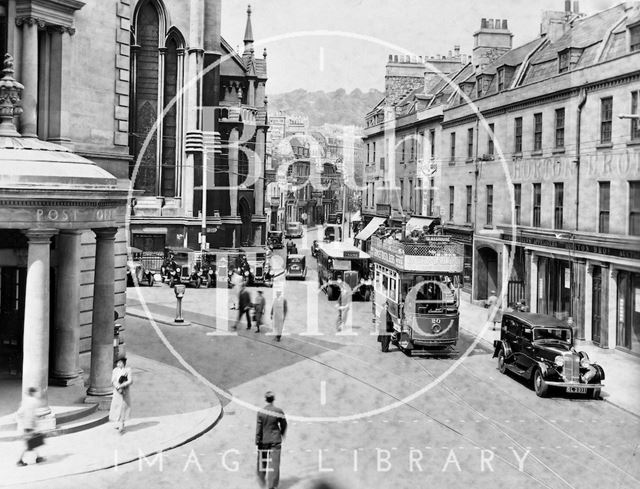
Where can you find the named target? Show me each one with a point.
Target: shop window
(606, 119)
(604, 197)
(559, 140)
(558, 206)
(517, 135)
(537, 204)
(628, 311)
(634, 208)
(537, 132)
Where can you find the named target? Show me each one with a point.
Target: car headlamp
(246, 274)
(559, 361)
(436, 328)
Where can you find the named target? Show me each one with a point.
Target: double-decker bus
(417, 292)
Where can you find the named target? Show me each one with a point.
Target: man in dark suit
(244, 306)
(270, 432)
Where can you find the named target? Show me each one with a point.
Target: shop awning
(356, 217)
(370, 228)
(418, 223)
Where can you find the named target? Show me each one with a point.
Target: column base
(103, 402)
(65, 381)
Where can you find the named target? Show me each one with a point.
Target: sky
(331, 44)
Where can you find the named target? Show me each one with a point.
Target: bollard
(179, 291)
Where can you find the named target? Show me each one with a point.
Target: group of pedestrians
(278, 309)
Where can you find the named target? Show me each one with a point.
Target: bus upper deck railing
(433, 253)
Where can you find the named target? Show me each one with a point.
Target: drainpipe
(582, 98)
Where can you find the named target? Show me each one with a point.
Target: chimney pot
(490, 26)
(567, 6)
(395, 58)
(450, 55)
(483, 23)
(456, 48)
(505, 24)
(391, 57)
(576, 7)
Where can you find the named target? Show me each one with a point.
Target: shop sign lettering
(576, 247)
(540, 169)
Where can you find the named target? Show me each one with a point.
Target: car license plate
(577, 390)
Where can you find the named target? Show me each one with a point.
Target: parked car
(209, 268)
(540, 348)
(293, 230)
(296, 267)
(136, 268)
(259, 265)
(183, 266)
(275, 239)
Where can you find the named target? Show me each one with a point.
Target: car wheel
(367, 295)
(539, 384)
(151, 280)
(502, 366)
(596, 393)
(385, 341)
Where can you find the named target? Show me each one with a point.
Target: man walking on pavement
(244, 306)
(259, 306)
(270, 432)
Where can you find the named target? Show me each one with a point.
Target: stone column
(29, 67)
(233, 172)
(578, 296)
(533, 284)
(59, 129)
(67, 317)
(103, 307)
(35, 363)
(588, 302)
(609, 332)
(259, 182)
(528, 278)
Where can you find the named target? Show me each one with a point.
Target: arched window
(156, 66)
(169, 123)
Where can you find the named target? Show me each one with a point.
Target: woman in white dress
(121, 380)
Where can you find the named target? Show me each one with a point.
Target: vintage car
(137, 269)
(275, 239)
(259, 265)
(296, 267)
(331, 233)
(208, 268)
(293, 230)
(540, 349)
(184, 267)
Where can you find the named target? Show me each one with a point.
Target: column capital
(74, 232)
(40, 236)
(614, 273)
(105, 233)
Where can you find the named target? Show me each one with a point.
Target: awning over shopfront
(418, 223)
(370, 228)
(356, 217)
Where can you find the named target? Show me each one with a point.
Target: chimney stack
(567, 6)
(491, 41)
(456, 49)
(576, 7)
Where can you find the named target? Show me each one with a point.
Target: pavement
(622, 370)
(162, 419)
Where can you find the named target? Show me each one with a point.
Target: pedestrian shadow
(140, 426)
(55, 458)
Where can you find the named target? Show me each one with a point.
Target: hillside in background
(320, 107)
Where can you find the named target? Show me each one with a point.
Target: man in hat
(259, 307)
(271, 428)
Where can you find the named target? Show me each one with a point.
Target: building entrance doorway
(596, 305)
(13, 282)
(487, 272)
(246, 236)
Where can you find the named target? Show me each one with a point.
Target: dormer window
(634, 38)
(563, 62)
(500, 79)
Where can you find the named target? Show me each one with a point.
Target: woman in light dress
(121, 380)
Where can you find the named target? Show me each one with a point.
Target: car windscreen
(552, 334)
(295, 260)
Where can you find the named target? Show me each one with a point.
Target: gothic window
(156, 67)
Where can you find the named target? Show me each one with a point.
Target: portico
(52, 202)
